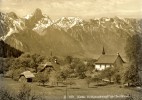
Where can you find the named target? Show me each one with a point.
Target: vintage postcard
(70, 50)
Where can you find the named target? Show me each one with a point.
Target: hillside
(8, 51)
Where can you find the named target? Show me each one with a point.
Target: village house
(105, 61)
(26, 76)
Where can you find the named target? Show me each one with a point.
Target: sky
(81, 8)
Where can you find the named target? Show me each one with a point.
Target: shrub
(5, 94)
(24, 92)
(88, 80)
(42, 77)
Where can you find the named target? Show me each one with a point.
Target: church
(105, 61)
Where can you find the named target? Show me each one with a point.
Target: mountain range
(38, 33)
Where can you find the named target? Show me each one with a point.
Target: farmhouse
(105, 61)
(26, 76)
(48, 65)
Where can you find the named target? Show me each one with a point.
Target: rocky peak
(12, 15)
(38, 13)
(34, 18)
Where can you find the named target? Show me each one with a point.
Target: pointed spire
(38, 12)
(103, 52)
(118, 53)
(51, 53)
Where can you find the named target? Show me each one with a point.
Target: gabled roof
(48, 64)
(107, 59)
(27, 74)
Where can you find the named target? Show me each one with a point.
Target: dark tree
(42, 77)
(69, 59)
(88, 80)
(8, 51)
(133, 51)
(108, 73)
(36, 60)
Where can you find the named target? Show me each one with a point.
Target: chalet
(48, 65)
(105, 61)
(26, 76)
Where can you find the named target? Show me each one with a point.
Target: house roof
(107, 59)
(48, 64)
(28, 74)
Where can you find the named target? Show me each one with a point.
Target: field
(80, 91)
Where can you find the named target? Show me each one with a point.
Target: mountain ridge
(38, 33)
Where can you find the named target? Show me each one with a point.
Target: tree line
(7, 51)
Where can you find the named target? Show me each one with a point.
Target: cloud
(83, 8)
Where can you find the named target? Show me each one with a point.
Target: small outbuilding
(26, 76)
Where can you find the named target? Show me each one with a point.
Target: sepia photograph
(70, 50)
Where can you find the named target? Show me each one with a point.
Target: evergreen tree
(134, 57)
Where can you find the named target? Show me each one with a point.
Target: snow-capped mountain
(38, 33)
(68, 22)
(10, 24)
(63, 23)
(3, 24)
(28, 16)
(43, 24)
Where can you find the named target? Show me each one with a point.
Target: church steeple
(51, 54)
(103, 52)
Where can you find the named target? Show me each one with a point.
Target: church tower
(103, 52)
